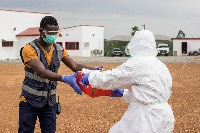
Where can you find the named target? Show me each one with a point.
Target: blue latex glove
(70, 79)
(117, 93)
(84, 79)
(98, 68)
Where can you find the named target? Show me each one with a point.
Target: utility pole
(144, 26)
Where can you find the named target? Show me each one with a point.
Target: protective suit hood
(143, 44)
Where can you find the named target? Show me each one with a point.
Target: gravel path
(172, 59)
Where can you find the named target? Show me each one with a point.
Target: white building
(181, 46)
(78, 40)
(12, 23)
(82, 40)
(20, 27)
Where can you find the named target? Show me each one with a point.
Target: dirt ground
(83, 114)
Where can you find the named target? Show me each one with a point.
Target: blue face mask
(50, 38)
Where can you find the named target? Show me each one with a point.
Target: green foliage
(109, 45)
(134, 29)
(181, 34)
(161, 42)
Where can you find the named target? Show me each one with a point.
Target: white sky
(164, 17)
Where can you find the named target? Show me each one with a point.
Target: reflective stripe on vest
(60, 52)
(38, 93)
(36, 48)
(36, 77)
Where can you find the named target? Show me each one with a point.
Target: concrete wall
(95, 37)
(14, 52)
(191, 45)
(73, 34)
(23, 41)
(20, 21)
(8, 52)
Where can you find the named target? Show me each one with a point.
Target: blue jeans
(28, 116)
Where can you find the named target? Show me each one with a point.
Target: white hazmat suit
(149, 87)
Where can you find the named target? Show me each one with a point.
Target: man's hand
(70, 79)
(84, 79)
(117, 93)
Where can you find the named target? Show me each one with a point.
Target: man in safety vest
(42, 58)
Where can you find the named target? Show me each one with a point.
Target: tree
(181, 34)
(134, 29)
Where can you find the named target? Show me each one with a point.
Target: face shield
(50, 36)
(46, 32)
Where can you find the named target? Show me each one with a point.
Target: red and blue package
(92, 92)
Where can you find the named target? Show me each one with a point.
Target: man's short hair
(48, 20)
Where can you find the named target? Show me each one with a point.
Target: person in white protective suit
(149, 87)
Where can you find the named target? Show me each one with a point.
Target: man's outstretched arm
(73, 65)
(39, 68)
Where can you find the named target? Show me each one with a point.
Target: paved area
(172, 59)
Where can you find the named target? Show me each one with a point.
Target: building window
(7, 44)
(72, 45)
(77, 45)
(60, 43)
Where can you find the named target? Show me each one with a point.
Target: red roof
(29, 32)
(82, 25)
(24, 11)
(185, 38)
